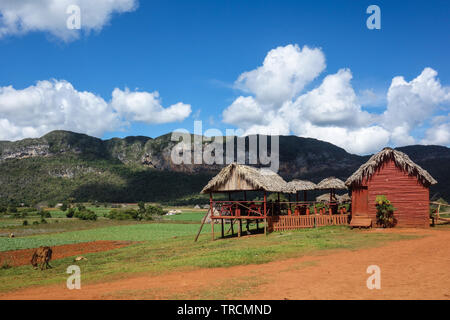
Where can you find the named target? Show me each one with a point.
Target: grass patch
(169, 247)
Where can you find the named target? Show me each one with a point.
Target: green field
(165, 246)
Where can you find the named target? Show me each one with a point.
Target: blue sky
(193, 52)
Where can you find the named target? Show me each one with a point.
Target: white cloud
(51, 105)
(412, 103)
(22, 16)
(439, 133)
(333, 111)
(243, 111)
(372, 98)
(284, 73)
(334, 102)
(146, 107)
(361, 140)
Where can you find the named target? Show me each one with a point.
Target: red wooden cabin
(393, 174)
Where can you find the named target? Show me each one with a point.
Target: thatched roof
(340, 198)
(301, 185)
(238, 177)
(344, 198)
(323, 197)
(401, 160)
(332, 183)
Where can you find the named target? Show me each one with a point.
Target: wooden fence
(437, 214)
(283, 223)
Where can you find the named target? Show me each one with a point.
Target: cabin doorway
(361, 201)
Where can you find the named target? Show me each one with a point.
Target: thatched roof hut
(301, 185)
(323, 197)
(238, 177)
(400, 159)
(332, 183)
(340, 198)
(344, 198)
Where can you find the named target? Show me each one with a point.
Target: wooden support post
(290, 207)
(257, 224)
(304, 195)
(239, 227)
(211, 214)
(232, 227)
(222, 229)
(265, 213)
(201, 226)
(265, 204)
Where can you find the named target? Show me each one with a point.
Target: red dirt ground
(23, 257)
(410, 269)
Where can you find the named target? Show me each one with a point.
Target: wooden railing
(283, 223)
(437, 214)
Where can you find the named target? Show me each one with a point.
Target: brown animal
(42, 256)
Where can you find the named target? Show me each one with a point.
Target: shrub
(35, 222)
(141, 206)
(51, 204)
(385, 212)
(64, 206)
(70, 213)
(128, 214)
(86, 215)
(155, 210)
(43, 221)
(12, 209)
(44, 214)
(344, 205)
(25, 222)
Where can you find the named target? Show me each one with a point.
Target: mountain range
(64, 164)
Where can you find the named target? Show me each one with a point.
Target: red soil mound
(22, 257)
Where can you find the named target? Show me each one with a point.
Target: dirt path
(410, 269)
(22, 257)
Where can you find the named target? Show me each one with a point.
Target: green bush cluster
(44, 214)
(70, 213)
(142, 213)
(85, 214)
(81, 213)
(385, 212)
(128, 214)
(344, 205)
